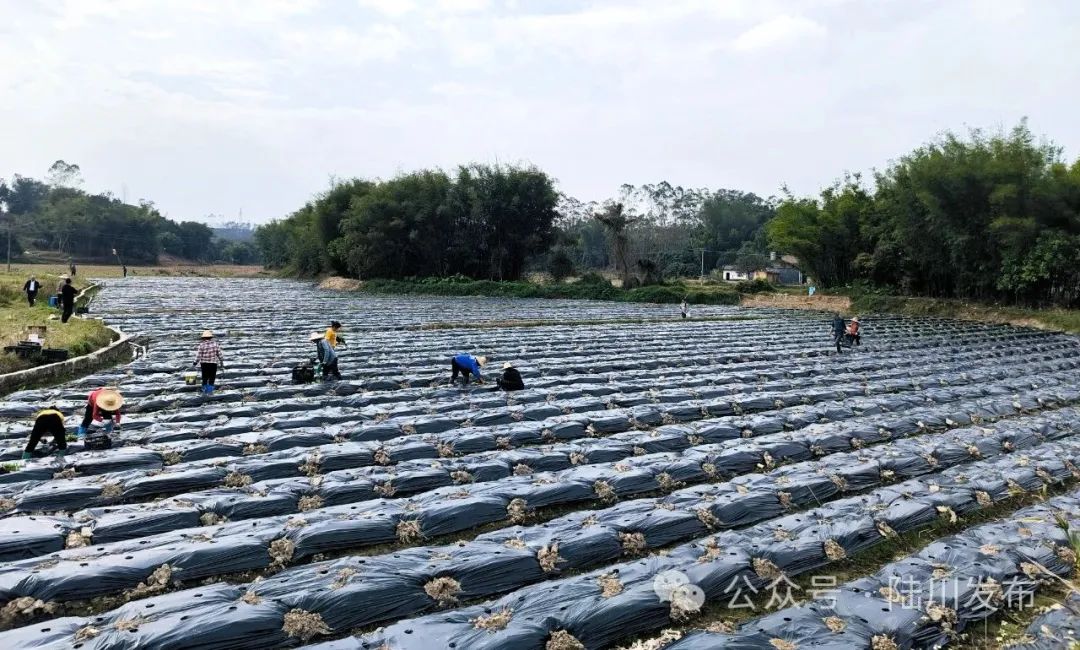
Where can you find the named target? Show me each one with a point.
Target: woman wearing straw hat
(466, 364)
(208, 357)
(102, 404)
(511, 379)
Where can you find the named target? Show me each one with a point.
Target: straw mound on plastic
(25, 606)
(408, 530)
(563, 640)
(604, 491)
(633, 543)
(309, 502)
(281, 551)
(518, 510)
(493, 621)
(548, 557)
(236, 479)
(443, 590)
(882, 642)
(157, 582)
(304, 625)
(781, 644)
(609, 585)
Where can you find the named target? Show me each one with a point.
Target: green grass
(663, 294)
(1066, 320)
(78, 336)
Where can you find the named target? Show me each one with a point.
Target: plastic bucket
(54, 301)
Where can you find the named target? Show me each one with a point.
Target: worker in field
(60, 288)
(209, 359)
(511, 379)
(67, 300)
(684, 308)
(31, 288)
(332, 337)
(103, 405)
(838, 330)
(48, 421)
(326, 355)
(853, 330)
(465, 365)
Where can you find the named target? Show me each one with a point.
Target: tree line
(990, 216)
(54, 215)
(986, 216)
(483, 222)
(497, 222)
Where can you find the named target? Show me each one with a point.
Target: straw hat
(507, 365)
(855, 320)
(207, 334)
(315, 337)
(109, 400)
(481, 360)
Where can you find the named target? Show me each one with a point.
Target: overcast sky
(213, 106)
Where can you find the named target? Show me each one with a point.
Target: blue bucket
(54, 301)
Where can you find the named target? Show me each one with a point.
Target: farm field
(654, 471)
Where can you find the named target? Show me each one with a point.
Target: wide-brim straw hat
(482, 360)
(315, 336)
(109, 400)
(207, 334)
(855, 320)
(507, 365)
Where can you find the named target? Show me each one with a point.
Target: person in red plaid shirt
(208, 356)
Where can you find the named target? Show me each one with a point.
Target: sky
(230, 107)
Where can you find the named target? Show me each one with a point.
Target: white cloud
(461, 6)
(783, 30)
(391, 8)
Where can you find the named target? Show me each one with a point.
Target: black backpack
(303, 374)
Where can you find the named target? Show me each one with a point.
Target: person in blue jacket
(466, 364)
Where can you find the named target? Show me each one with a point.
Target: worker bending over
(511, 379)
(326, 356)
(103, 405)
(466, 364)
(853, 330)
(48, 421)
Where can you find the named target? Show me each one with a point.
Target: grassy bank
(47, 271)
(78, 336)
(1067, 320)
(665, 294)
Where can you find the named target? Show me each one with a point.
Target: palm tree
(616, 222)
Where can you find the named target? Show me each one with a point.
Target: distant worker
(511, 379)
(853, 330)
(684, 308)
(837, 330)
(332, 334)
(103, 405)
(466, 364)
(48, 421)
(209, 358)
(72, 269)
(31, 288)
(124, 267)
(326, 356)
(67, 300)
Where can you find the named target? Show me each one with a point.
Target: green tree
(615, 220)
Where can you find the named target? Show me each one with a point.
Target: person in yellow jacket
(47, 421)
(331, 335)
